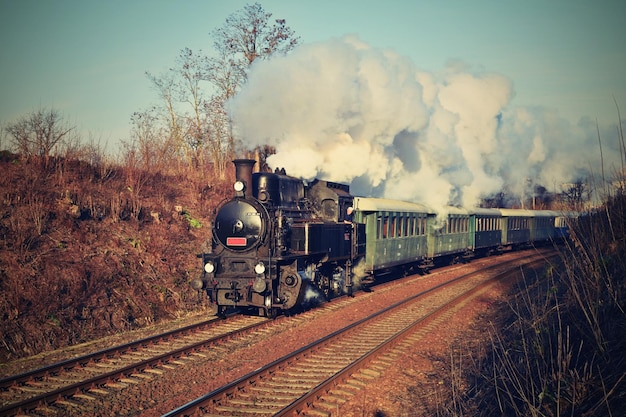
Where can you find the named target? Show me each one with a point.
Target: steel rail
(98, 355)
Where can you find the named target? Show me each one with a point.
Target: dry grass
(556, 348)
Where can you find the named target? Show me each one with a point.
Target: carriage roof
(383, 204)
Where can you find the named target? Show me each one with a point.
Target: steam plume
(344, 111)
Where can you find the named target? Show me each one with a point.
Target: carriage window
(397, 223)
(385, 227)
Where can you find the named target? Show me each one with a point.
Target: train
(281, 242)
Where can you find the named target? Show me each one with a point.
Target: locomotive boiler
(280, 242)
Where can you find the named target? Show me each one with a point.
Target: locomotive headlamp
(259, 285)
(197, 284)
(209, 267)
(259, 268)
(238, 186)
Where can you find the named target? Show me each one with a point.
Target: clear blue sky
(87, 59)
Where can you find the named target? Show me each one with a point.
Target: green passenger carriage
(450, 235)
(516, 227)
(485, 230)
(396, 232)
(543, 225)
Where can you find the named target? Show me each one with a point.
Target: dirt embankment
(89, 250)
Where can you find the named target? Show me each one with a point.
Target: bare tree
(155, 148)
(247, 35)
(167, 89)
(39, 133)
(3, 137)
(184, 104)
(193, 70)
(195, 90)
(576, 194)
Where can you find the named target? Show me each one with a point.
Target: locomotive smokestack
(243, 171)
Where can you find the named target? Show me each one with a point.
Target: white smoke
(344, 111)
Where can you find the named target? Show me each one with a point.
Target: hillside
(89, 249)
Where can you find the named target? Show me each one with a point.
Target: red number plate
(236, 241)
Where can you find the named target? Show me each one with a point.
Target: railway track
(60, 388)
(313, 380)
(86, 375)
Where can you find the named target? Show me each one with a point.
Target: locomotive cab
(332, 200)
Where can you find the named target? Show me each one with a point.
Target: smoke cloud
(344, 111)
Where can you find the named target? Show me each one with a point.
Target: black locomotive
(280, 241)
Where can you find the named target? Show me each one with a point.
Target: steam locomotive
(280, 242)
